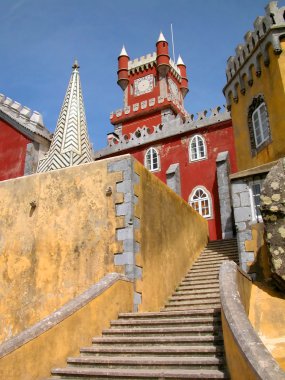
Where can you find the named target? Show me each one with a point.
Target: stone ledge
(255, 354)
(62, 313)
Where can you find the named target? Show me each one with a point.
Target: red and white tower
(154, 89)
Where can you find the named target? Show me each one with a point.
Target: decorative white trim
(199, 156)
(150, 165)
(209, 198)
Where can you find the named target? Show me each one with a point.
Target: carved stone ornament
(273, 213)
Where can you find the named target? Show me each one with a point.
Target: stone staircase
(182, 341)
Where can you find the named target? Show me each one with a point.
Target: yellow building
(255, 94)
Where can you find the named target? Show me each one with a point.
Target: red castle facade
(193, 156)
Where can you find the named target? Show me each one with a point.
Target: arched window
(197, 148)
(151, 160)
(258, 124)
(200, 200)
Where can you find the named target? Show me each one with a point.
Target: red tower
(194, 156)
(154, 89)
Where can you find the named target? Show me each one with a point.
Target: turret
(184, 82)
(123, 61)
(162, 59)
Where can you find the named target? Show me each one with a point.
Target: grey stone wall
(223, 171)
(243, 218)
(126, 234)
(173, 178)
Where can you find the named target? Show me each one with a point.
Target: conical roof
(161, 37)
(123, 51)
(70, 144)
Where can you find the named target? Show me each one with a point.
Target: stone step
(186, 307)
(203, 272)
(176, 340)
(199, 277)
(170, 314)
(198, 287)
(194, 291)
(161, 331)
(214, 260)
(202, 350)
(190, 302)
(167, 322)
(111, 374)
(148, 362)
(178, 297)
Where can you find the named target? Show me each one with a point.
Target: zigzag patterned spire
(70, 144)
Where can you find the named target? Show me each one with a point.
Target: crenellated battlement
(149, 60)
(151, 103)
(24, 116)
(267, 32)
(174, 126)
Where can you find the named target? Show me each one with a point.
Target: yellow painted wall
(271, 84)
(265, 309)
(267, 316)
(59, 249)
(34, 360)
(238, 366)
(171, 237)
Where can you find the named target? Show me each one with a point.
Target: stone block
(242, 214)
(120, 165)
(124, 258)
(245, 199)
(124, 187)
(241, 226)
(236, 200)
(239, 187)
(125, 233)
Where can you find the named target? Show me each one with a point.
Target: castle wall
(64, 230)
(13, 149)
(270, 83)
(58, 237)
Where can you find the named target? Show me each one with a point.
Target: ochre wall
(271, 84)
(13, 147)
(238, 366)
(267, 316)
(35, 359)
(171, 237)
(265, 309)
(55, 251)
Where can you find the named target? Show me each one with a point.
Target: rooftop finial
(75, 64)
(161, 37)
(180, 61)
(123, 51)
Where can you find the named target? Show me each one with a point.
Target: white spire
(180, 61)
(123, 51)
(161, 37)
(70, 144)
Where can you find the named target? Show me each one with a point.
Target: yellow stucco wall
(34, 360)
(271, 84)
(265, 309)
(57, 250)
(238, 366)
(171, 237)
(267, 316)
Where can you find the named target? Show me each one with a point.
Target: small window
(260, 125)
(151, 161)
(254, 192)
(200, 201)
(197, 148)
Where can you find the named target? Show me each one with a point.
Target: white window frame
(150, 164)
(260, 128)
(253, 206)
(195, 139)
(208, 198)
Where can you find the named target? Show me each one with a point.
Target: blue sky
(39, 40)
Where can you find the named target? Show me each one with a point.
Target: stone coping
(254, 171)
(249, 344)
(62, 313)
